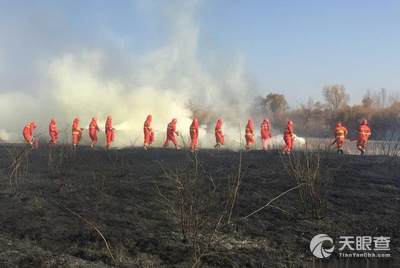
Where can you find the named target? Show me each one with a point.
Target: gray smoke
(64, 79)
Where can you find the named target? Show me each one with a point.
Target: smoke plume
(110, 79)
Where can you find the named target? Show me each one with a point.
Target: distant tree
(386, 122)
(394, 98)
(274, 106)
(276, 103)
(310, 118)
(381, 98)
(306, 111)
(368, 101)
(336, 97)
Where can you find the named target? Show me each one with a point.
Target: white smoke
(278, 142)
(96, 83)
(81, 91)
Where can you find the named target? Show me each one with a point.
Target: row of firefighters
(364, 132)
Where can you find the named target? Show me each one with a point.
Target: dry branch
(93, 226)
(273, 199)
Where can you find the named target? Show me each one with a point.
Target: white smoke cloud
(80, 90)
(114, 81)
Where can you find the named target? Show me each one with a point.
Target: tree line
(318, 119)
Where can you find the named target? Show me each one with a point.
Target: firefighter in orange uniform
(289, 137)
(76, 132)
(219, 135)
(194, 134)
(28, 133)
(93, 130)
(340, 137)
(110, 132)
(148, 132)
(364, 132)
(53, 131)
(171, 132)
(249, 134)
(265, 134)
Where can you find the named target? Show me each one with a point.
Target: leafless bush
(305, 168)
(19, 166)
(191, 207)
(197, 207)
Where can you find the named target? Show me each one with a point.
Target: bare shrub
(190, 206)
(19, 166)
(199, 210)
(305, 168)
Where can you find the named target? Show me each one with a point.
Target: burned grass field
(167, 208)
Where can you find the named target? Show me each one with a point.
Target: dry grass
(118, 162)
(93, 226)
(233, 190)
(305, 168)
(389, 147)
(197, 207)
(19, 166)
(59, 159)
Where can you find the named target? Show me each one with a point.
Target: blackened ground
(117, 190)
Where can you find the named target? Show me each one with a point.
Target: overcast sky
(293, 47)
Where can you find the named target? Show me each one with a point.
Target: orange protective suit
(249, 133)
(340, 136)
(171, 132)
(27, 132)
(219, 135)
(110, 132)
(148, 132)
(288, 137)
(53, 131)
(194, 134)
(93, 130)
(265, 133)
(76, 132)
(364, 132)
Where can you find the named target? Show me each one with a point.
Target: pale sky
(293, 47)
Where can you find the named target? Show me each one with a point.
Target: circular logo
(316, 246)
